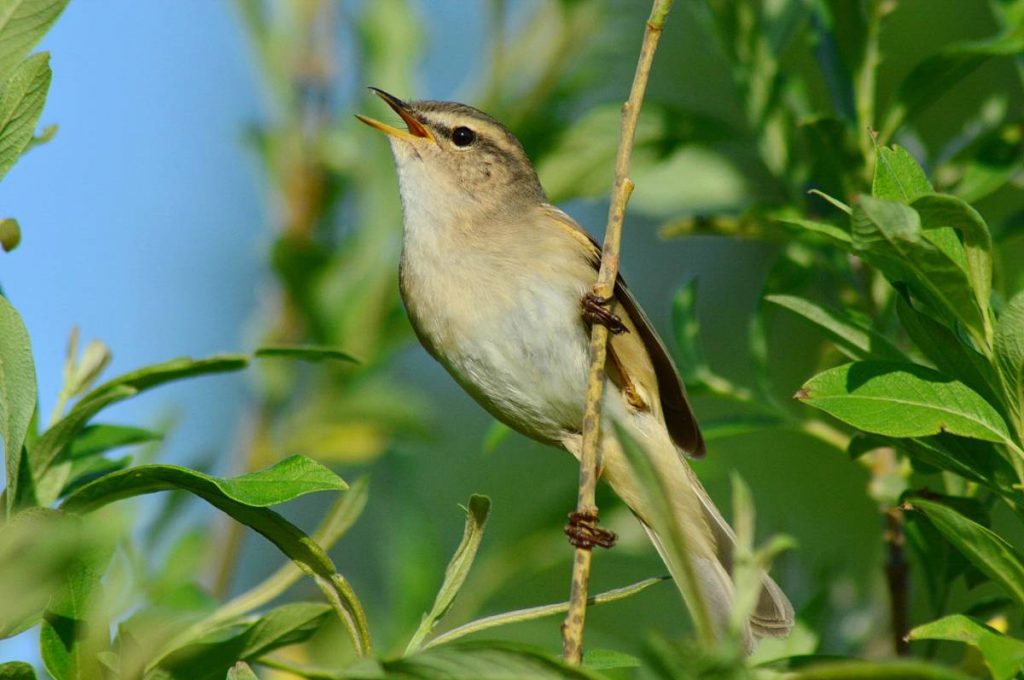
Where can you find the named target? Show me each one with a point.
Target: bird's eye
(463, 136)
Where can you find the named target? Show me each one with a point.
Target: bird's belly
(521, 352)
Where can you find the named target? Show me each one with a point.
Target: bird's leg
(595, 310)
(584, 533)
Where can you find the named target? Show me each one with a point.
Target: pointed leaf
(939, 211)
(241, 498)
(1009, 345)
(175, 369)
(22, 24)
(889, 236)
(902, 400)
(100, 438)
(835, 234)
(304, 353)
(457, 571)
(985, 549)
(17, 392)
(898, 177)
(1003, 655)
(853, 338)
(241, 670)
(21, 102)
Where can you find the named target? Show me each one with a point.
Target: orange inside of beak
(416, 130)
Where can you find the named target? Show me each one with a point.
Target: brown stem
(575, 619)
(897, 578)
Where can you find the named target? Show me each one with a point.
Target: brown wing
(678, 415)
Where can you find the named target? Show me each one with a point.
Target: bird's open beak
(416, 129)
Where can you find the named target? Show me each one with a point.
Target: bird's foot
(584, 533)
(595, 310)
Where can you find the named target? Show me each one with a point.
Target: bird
(497, 284)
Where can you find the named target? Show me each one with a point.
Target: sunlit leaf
(22, 24)
(902, 400)
(1009, 346)
(100, 438)
(1003, 655)
(175, 369)
(17, 392)
(852, 337)
(898, 177)
(479, 660)
(21, 102)
(241, 670)
(242, 498)
(986, 550)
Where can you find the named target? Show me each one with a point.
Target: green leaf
(938, 211)
(241, 671)
(1009, 346)
(937, 74)
(304, 353)
(835, 202)
(21, 102)
(100, 438)
(242, 498)
(986, 550)
(732, 426)
(852, 337)
(212, 656)
(877, 670)
(22, 24)
(176, 369)
(17, 670)
(457, 571)
(72, 636)
(947, 351)
(604, 659)
(889, 236)
(283, 481)
(17, 392)
(839, 236)
(480, 660)
(902, 400)
(48, 465)
(898, 177)
(539, 612)
(496, 434)
(1003, 655)
(10, 234)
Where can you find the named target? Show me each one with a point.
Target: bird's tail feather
(711, 541)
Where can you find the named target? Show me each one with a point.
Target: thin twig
(572, 628)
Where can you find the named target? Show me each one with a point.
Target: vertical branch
(572, 628)
(897, 578)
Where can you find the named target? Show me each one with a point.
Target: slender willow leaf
(938, 211)
(877, 670)
(986, 550)
(210, 657)
(175, 369)
(889, 236)
(46, 453)
(22, 24)
(457, 571)
(483, 660)
(1003, 655)
(853, 338)
(17, 392)
(898, 177)
(606, 659)
(305, 353)
(100, 438)
(1009, 344)
(539, 612)
(21, 102)
(241, 498)
(902, 400)
(839, 236)
(937, 74)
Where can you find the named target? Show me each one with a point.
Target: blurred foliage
(882, 248)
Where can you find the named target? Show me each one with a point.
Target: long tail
(710, 540)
